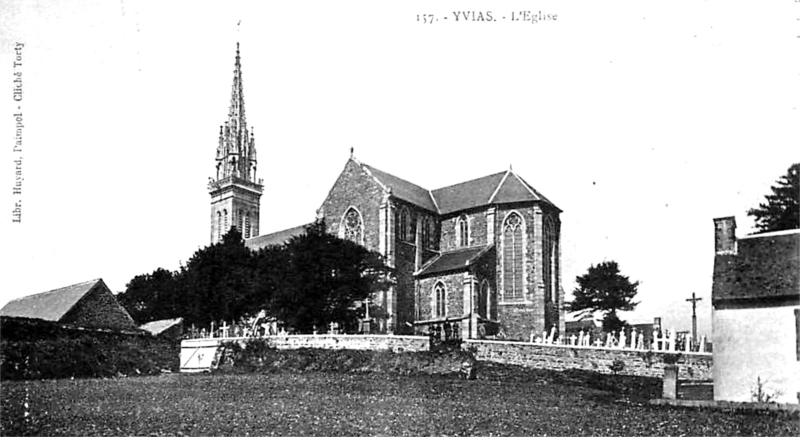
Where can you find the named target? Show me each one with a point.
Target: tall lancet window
(513, 258)
(404, 224)
(550, 259)
(219, 226)
(463, 231)
(353, 227)
(224, 221)
(439, 300)
(426, 232)
(247, 225)
(240, 221)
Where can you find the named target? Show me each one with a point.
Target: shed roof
(159, 326)
(453, 260)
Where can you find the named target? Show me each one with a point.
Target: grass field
(502, 401)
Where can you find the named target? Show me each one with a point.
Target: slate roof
(466, 195)
(159, 326)
(498, 188)
(453, 260)
(51, 305)
(403, 189)
(765, 266)
(275, 238)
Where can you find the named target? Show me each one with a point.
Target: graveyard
(305, 399)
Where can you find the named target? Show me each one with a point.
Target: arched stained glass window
(352, 225)
(513, 265)
(404, 224)
(440, 300)
(463, 231)
(550, 249)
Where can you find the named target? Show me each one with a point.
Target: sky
(642, 121)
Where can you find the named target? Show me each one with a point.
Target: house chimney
(725, 235)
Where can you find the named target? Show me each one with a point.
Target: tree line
(311, 280)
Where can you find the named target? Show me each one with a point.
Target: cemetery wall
(395, 343)
(693, 365)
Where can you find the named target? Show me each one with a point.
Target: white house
(756, 316)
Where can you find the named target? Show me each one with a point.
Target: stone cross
(225, 328)
(580, 338)
(572, 340)
(598, 342)
(694, 300)
(332, 326)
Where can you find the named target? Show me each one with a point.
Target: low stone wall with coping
(202, 354)
(693, 366)
(394, 343)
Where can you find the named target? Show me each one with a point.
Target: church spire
(235, 191)
(236, 152)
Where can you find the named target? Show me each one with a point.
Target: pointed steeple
(235, 192)
(236, 152)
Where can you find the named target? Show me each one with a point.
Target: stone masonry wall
(99, 309)
(477, 230)
(454, 289)
(395, 343)
(357, 189)
(693, 366)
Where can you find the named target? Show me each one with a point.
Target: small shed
(167, 328)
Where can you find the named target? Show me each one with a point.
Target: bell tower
(235, 191)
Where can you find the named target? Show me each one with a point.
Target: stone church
(484, 254)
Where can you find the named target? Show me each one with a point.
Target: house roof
(498, 188)
(453, 260)
(51, 305)
(764, 266)
(275, 238)
(159, 326)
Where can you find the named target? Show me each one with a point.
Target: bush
(87, 356)
(257, 356)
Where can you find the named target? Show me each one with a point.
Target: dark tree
(151, 297)
(603, 288)
(218, 281)
(322, 279)
(781, 210)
